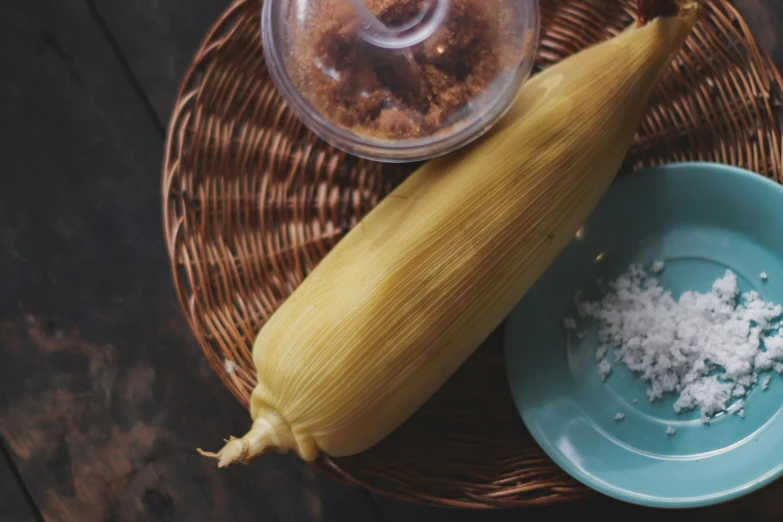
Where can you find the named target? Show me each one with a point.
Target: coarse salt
(619, 416)
(764, 276)
(670, 431)
(708, 348)
(604, 369)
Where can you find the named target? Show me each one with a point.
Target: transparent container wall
(399, 80)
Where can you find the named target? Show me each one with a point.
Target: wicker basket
(252, 201)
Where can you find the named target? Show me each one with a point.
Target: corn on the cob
(404, 299)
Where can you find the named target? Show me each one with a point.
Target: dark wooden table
(103, 390)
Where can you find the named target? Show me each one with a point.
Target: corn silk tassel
(406, 297)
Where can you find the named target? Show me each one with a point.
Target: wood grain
(158, 38)
(15, 506)
(765, 18)
(104, 395)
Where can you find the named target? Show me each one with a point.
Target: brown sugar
(390, 94)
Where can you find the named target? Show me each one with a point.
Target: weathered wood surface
(158, 39)
(103, 392)
(15, 505)
(765, 18)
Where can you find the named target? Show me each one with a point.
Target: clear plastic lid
(399, 80)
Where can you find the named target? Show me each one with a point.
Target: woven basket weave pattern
(252, 201)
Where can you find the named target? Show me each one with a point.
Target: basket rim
(172, 228)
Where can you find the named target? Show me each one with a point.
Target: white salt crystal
(569, 323)
(708, 394)
(657, 267)
(619, 416)
(706, 348)
(764, 276)
(230, 366)
(765, 382)
(604, 369)
(670, 431)
(741, 413)
(636, 401)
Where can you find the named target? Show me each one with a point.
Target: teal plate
(700, 219)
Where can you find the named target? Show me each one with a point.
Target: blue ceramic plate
(700, 219)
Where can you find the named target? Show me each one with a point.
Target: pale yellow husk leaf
(407, 296)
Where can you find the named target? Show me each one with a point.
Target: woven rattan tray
(252, 201)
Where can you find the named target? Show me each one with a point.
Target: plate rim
(606, 488)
